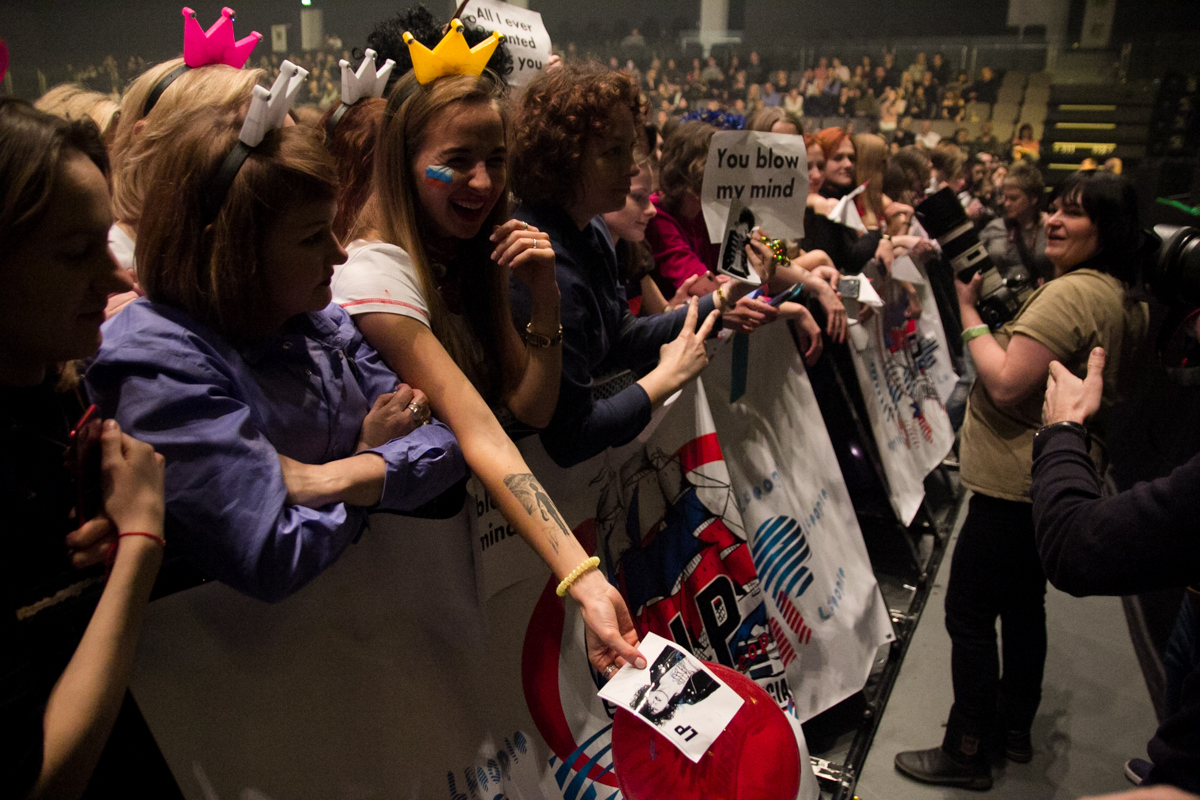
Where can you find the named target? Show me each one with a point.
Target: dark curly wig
(557, 113)
(388, 41)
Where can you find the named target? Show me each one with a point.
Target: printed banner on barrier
(825, 609)
(903, 369)
(664, 522)
(387, 676)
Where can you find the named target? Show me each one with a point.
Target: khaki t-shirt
(1070, 316)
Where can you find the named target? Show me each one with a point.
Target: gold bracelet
(720, 298)
(565, 583)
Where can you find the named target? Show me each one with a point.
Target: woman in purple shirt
(282, 428)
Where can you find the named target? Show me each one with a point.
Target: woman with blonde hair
(72, 101)
(136, 141)
(426, 283)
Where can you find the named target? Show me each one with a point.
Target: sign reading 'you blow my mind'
(524, 35)
(764, 172)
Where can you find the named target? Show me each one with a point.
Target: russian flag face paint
(438, 175)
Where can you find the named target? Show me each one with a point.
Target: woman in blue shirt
(281, 426)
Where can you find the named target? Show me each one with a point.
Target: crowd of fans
(383, 294)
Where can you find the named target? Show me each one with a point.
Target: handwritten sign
(524, 35)
(765, 172)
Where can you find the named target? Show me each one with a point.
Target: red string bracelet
(112, 548)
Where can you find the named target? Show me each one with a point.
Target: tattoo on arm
(533, 497)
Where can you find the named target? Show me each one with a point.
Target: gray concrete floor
(1095, 712)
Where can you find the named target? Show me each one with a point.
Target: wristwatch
(535, 339)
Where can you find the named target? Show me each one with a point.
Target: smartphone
(848, 287)
(83, 462)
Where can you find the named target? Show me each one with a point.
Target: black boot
(1018, 746)
(937, 766)
(962, 760)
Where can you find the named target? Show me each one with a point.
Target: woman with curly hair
(572, 161)
(426, 283)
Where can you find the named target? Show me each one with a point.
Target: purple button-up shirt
(220, 415)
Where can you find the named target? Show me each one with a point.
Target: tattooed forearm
(533, 497)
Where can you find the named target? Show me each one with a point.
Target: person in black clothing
(68, 636)
(986, 89)
(1137, 541)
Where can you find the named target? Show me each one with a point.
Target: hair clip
(452, 55)
(268, 109)
(201, 48)
(367, 82)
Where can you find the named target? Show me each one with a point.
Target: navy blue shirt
(600, 337)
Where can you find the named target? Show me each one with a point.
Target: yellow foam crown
(452, 56)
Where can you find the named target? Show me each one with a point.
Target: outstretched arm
(411, 349)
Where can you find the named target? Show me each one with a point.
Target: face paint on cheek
(438, 175)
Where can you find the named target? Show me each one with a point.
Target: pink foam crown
(215, 46)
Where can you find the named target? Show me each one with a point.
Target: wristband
(1046, 434)
(1065, 425)
(112, 548)
(565, 583)
(974, 332)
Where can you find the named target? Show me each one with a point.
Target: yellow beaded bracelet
(566, 582)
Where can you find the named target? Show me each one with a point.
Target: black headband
(218, 187)
(161, 86)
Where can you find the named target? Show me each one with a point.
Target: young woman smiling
(1092, 240)
(427, 284)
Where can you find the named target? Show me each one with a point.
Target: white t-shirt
(379, 278)
(120, 247)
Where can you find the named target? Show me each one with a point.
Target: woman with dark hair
(1092, 240)
(387, 39)
(68, 638)
(427, 285)
(282, 427)
(1024, 146)
(572, 160)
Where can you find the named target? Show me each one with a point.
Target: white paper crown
(269, 108)
(366, 82)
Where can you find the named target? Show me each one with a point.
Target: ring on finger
(420, 412)
(526, 224)
(609, 670)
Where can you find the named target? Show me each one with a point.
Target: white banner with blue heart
(826, 611)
